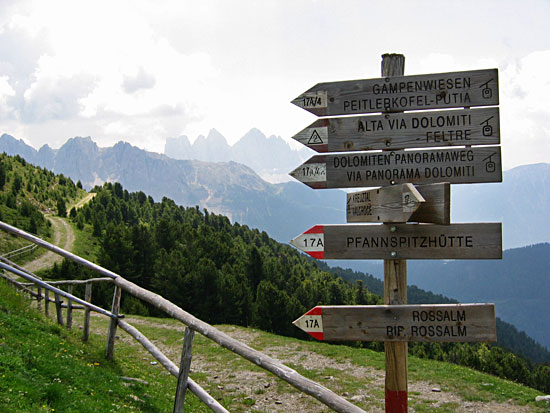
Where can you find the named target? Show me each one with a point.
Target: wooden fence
(193, 324)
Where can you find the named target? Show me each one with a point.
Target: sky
(142, 71)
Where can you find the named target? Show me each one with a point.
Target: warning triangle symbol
(314, 139)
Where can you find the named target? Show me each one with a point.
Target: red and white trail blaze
(312, 323)
(312, 241)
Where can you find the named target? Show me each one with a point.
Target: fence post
(47, 302)
(185, 366)
(39, 297)
(58, 309)
(112, 326)
(69, 308)
(88, 298)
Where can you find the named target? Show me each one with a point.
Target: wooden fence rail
(26, 249)
(266, 362)
(194, 387)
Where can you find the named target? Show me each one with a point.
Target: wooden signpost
(401, 203)
(368, 169)
(415, 187)
(424, 322)
(403, 130)
(402, 241)
(400, 93)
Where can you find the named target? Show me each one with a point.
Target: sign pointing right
(401, 203)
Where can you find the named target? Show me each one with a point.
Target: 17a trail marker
(402, 93)
(402, 241)
(424, 322)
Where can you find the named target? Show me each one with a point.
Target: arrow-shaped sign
(401, 203)
(403, 130)
(370, 169)
(424, 322)
(386, 204)
(401, 93)
(402, 241)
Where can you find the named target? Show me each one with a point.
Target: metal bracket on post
(115, 308)
(185, 366)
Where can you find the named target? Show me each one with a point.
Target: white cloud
(525, 113)
(144, 70)
(6, 91)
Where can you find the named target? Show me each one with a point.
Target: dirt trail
(262, 387)
(63, 237)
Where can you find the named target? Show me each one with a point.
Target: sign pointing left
(402, 241)
(423, 322)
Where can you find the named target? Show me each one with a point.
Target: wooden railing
(27, 249)
(193, 324)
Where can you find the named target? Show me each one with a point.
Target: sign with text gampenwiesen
(402, 93)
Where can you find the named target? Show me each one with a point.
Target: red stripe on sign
(315, 311)
(318, 336)
(320, 255)
(396, 401)
(317, 229)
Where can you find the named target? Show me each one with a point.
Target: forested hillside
(27, 193)
(229, 273)
(220, 272)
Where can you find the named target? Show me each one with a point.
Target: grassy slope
(43, 367)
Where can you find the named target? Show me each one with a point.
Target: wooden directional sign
(401, 93)
(401, 203)
(369, 169)
(403, 130)
(429, 323)
(402, 241)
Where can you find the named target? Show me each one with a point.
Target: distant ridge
(521, 202)
(227, 188)
(271, 157)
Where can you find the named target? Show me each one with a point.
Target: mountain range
(521, 202)
(227, 188)
(271, 158)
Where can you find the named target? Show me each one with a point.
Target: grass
(44, 368)
(85, 244)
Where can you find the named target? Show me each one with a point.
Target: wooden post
(395, 292)
(39, 298)
(58, 309)
(88, 298)
(47, 302)
(185, 366)
(69, 308)
(115, 308)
